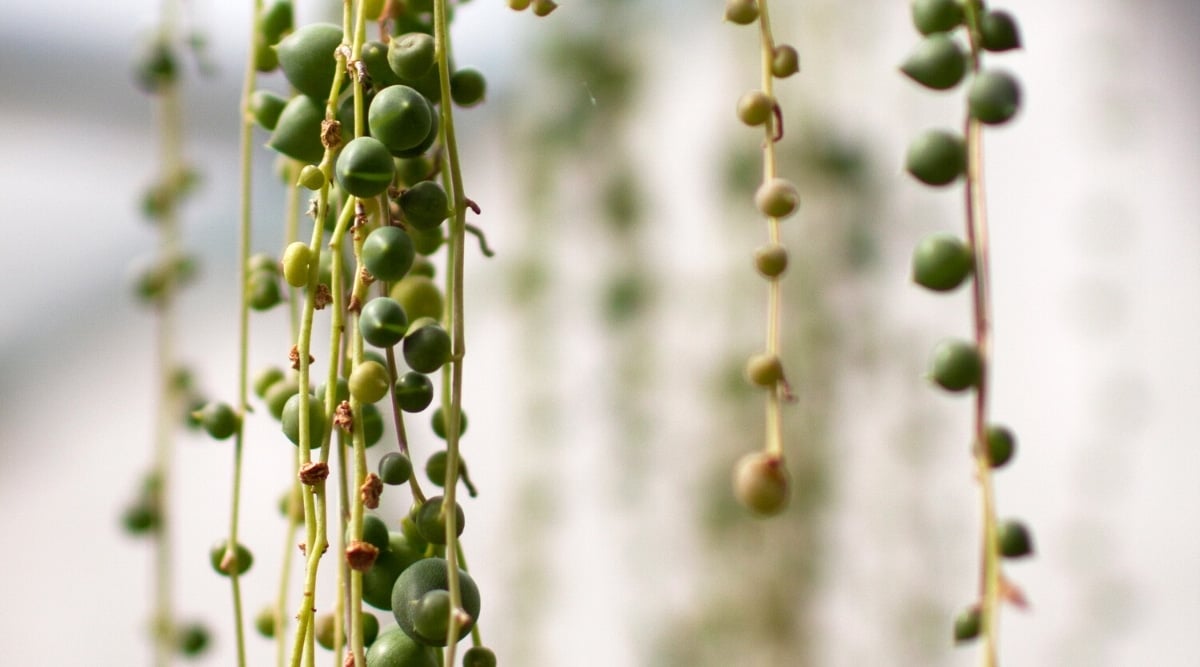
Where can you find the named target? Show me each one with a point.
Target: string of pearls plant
(366, 131)
(760, 479)
(157, 283)
(369, 130)
(956, 35)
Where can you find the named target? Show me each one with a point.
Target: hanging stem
(977, 238)
(355, 341)
(772, 131)
(315, 505)
(358, 442)
(457, 241)
(315, 501)
(248, 85)
(170, 114)
(295, 496)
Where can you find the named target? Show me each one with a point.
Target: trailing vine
(943, 262)
(158, 72)
(367, 128)
(761, 478)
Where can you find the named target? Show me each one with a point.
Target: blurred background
(607, 335)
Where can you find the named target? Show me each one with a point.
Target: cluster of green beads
(408, 579)
(955, 33)
(368, 140)
(760, 478)
(395, 156)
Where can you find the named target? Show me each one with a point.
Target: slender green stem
(356, 348)
(990, 556)
(356, 529)
(164, 623)
(774, 403)
(294, 505)
(291, 233)
(317, 513)
(476, 633)
(295, 498)
(401, 435)
(343, 571)
(977, 238)
(344, 603)
(457, 242)
(338, 318)
(360, 461)
(170, 114)
(243, 331)
(767, 51)
(302, 645)
(315, 501)
(315, 509)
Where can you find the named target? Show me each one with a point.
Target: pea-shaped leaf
(938, 62)
(307, 59)
(941, 262)
(956, 365)
(967, 625)
(369, 382)
(382, 322)
(1015, 539)
(1001, 445)
(374, 55)
(240, 559)
(999, 31)
(411, 56)
(395, 468)
(761, 483)
(994, 96)
(297, 132)
(467, 87)
(936, 157)
(931, 16)
(266, 107)
(400, 117)
(394, 648)
(430, 574)
(290, 420)
(365, 167)
(426, 346)
(413, 392)
(425, 205)
(479, 656)
(388, 253)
